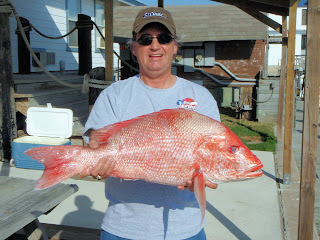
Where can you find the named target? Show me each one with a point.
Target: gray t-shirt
(138, 209)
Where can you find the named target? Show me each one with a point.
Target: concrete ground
(239, 210)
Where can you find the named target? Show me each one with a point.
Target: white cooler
(47, 126)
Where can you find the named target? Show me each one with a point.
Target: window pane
(100, 40)
(304, 17)
(100, 20)
(73, 9)
(73, 37)
(100, 13)
(303, 42)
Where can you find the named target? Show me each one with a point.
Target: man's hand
(103, 168)
(190, 185)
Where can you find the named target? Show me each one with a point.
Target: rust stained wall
(245, 59)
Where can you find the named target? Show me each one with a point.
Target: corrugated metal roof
(199, 23)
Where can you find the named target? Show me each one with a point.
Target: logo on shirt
(188, 103)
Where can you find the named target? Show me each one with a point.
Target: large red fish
(169, 147)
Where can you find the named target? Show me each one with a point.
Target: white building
(55, 18)
(274, 43)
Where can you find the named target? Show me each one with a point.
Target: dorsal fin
(103, 134)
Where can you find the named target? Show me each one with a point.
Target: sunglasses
(163, 38)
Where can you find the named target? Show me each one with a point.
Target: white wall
(49, 17)
(274, 52)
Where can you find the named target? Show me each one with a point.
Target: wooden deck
(36, 90)
(59, 232)
(21, 205)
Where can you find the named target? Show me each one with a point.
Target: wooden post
(310, 124)
(84, 42)
(282, 77)
(287, 152)
(109, 72)
(108, 6)
(23, 51)
(246, 99)
(160, 3)
(7, 109)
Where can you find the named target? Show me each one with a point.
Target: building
(274, 43)
(56, 18)
(215, 33)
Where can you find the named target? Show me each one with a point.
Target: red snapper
(168, 147)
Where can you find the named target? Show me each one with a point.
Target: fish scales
(156, 145)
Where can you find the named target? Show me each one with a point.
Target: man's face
(154, 59)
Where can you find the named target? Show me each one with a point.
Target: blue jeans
(108, 236)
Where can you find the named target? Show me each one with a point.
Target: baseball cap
(154, 14)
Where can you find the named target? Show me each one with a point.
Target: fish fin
(103, 134)
(199, 191)
(61, 162)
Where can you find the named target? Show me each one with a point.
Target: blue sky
(176, 2)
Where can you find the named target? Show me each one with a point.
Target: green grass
(255, 135)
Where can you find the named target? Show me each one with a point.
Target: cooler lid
(49, 121)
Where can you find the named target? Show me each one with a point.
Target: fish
(170, 147)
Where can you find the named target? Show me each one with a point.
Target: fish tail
(61, 162)
(199, 191)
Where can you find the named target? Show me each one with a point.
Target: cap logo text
(154, 14)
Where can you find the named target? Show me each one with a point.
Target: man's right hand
(102, 168)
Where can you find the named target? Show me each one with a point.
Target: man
(138, 209)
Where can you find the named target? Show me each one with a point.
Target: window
(73, 9)
(303, 42)
(304, 17)
(100, 21)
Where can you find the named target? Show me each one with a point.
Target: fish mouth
(254, 172)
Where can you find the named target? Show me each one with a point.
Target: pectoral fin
(199, 191)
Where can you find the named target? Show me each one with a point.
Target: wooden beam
(160, 3)
(35, 231)
(23, 51)
(84, 43)
(282, 77)
(7, 109)
(108, 6)
(263, 18)
(310, 124)
(279, 3)
(287, 152)
(283, 11)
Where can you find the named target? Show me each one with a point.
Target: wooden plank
(282, 78)
(108, 6)
(283, 11)
(22, 105)
(246, 99)
(34, 231)
(280, 3)
(289, 93)
(34, 78)
(310, 126)
(7, 112)
(20, 204)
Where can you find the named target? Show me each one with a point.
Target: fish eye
(233, 149)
